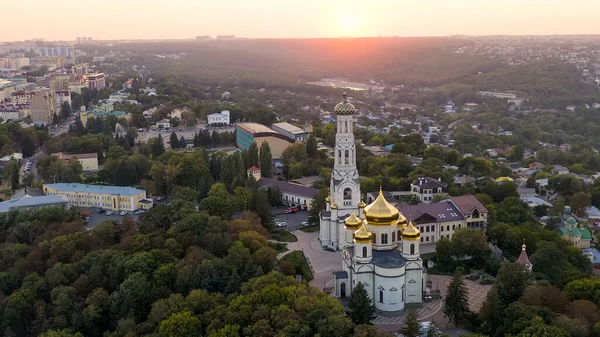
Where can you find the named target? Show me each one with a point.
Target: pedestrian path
(423, 313)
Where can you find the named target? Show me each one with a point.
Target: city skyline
(181, 19)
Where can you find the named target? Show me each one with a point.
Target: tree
(266, 160)
(361, 309)
(456, 305)
(252, 159)
(27, 145)
(538, 328)
(411, 326)
(318, 204)
(511, 282)
(174, 141)
(11, 173)
(65, 110)
(579, 201)
(311, 147)
(181, 324)
(157, 147)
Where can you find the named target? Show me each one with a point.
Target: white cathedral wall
(414, 283)
(390, 281)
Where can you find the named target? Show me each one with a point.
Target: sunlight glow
(349, 24)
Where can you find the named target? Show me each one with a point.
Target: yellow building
(88, 161)
(117, 198)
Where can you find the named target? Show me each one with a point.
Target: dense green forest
(176, 273)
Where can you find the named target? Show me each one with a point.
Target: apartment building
(96, 81)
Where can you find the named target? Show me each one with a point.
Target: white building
(426, 188)
(382, 252)
(291, 131)
(219, 118)
(96, 81)
(345, 186)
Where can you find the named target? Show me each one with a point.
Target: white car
(123, 213)
(281, 224)
(110, 213)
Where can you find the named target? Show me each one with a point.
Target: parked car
(110, 213)
(101, 210)
(305, 224)
(292, 209)
(159, 198)
(424, 328)
(123, 213)
(281, 224)
(138, 211)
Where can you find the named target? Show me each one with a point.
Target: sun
(349, 23)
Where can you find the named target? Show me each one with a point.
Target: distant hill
(421, 61)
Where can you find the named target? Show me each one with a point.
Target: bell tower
(345, 185)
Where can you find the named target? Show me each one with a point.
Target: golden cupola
(381, 212)
(411, 232)
(353, 221)
(362, 235)
(328, 199)
(362, 204)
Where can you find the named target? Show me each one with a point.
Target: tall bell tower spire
(345, 185)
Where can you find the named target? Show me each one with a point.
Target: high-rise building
(80, 69)
(96, 81)
(41, 109)
(345, 194)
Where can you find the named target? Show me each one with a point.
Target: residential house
(526, 192)
(426, 188)
(515, 167)
(88, 161)
(461, 181)
(559, 169)
(565, 147)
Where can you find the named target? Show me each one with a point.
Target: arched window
(343, 289)
(347, 194)
(380, 296)
(364, 251)
(374, 238)
(402, 293)
(339, 156)
(346, 157)
(346, 126)
(412, 248)
(384, 238)
(393, 237)
(399, 235)
(448, 228)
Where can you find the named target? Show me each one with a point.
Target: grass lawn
(310, 229)
(284, 236)
(298, 259)
(279, 247)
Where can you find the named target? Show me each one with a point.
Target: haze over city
(137, 19)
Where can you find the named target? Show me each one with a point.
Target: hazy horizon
(180, 19)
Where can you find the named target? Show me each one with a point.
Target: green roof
(572, 221)
(108, 113)
(585, 234)
(565, 231)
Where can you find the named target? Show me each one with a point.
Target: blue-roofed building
(118, 198)
(32, 203)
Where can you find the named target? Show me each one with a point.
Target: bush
(492, 265)
(486, 280)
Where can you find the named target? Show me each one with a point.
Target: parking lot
(96, 218)
(293, 220)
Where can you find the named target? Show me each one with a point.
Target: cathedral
(380, 248)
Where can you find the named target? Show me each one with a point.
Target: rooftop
(467, 203)
(440, 212)
(385, 258)
(289, 128)
(97, 189)
(429, 183)
(254, 127)
(284, 186)
(67, 156)
(6, 206)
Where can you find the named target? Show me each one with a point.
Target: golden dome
(352, 221)
(333, 205)
(362, 204)
(504, 179)
(362, 235)
(328, 199)
(381, 212)
(523, 246)
(410, 232)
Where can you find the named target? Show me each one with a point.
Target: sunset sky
(133, 19)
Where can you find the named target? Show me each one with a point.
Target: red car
(293, 209)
